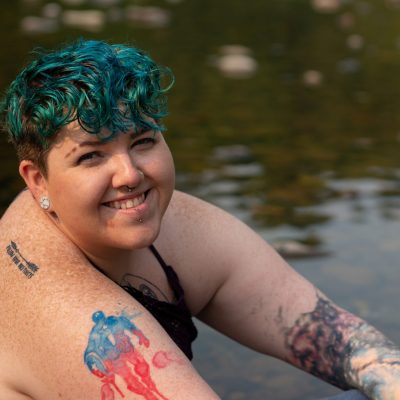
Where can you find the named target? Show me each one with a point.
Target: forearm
(344, 350)
(374, 364)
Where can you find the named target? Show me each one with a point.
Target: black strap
(158, 256)
(170, 273)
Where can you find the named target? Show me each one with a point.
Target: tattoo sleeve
(344, 350)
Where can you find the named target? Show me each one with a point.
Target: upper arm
(70, 332)
(255, 294)
(258, 299)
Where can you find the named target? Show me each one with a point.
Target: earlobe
(33, 178)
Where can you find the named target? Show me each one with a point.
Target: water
(294, 128)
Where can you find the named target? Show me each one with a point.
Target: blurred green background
(285, 113)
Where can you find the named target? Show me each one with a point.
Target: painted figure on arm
(86, 123)
(110, 353)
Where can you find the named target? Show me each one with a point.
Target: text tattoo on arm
(112, 352)
(28, 268)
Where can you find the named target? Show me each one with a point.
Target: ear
(34, 178)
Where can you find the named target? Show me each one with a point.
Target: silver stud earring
(44, 202)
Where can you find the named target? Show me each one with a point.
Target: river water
(285, 113)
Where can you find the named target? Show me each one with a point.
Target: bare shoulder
(189, 210)
(204, 243)
(59, 314)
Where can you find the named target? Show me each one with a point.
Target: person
(104, 263)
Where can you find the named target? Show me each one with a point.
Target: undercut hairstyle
(100, 85)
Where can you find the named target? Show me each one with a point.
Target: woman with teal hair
(104, 263)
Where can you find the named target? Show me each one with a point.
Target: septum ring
(131, 188)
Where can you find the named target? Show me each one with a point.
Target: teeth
(125, 204)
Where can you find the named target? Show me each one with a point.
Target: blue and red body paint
(111, 352)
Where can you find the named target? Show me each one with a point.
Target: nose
(126, 173)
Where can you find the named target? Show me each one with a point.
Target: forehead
(74, 134)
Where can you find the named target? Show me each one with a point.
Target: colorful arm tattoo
(344, 350)
(112, 352)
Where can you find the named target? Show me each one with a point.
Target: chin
(145, 238)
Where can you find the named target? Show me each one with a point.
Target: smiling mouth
(127, 204)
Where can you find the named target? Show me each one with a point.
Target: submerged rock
(51, 10)
(150, 17)
(393, 3)
(237, 66)
(38, 25)
(236, 61)
(243, 170)
(294, 249)
(232, 153)
(355, 42)
(312, 78)
(346, 21)
(325, 6)
(348, 66)
(89, 20)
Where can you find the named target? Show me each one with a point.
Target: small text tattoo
(26, 267)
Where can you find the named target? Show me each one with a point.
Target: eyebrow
(91, 143)
(100, 143)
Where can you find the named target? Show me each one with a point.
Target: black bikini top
(175, 318)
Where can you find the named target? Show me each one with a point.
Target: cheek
(167, 170)
(159, 167)
(76, 193)
(168, 162)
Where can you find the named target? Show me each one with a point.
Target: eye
(144, 142)
(88, 157)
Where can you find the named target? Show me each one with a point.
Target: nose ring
(129, 189)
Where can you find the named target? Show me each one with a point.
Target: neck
(113, 263)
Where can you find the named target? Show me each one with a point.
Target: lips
(128, 203)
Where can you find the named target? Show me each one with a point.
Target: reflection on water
(285, 113)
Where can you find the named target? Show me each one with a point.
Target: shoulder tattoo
(28, 268)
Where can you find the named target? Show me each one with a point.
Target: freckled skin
(222, 287)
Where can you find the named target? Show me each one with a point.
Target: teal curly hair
(100, 85)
